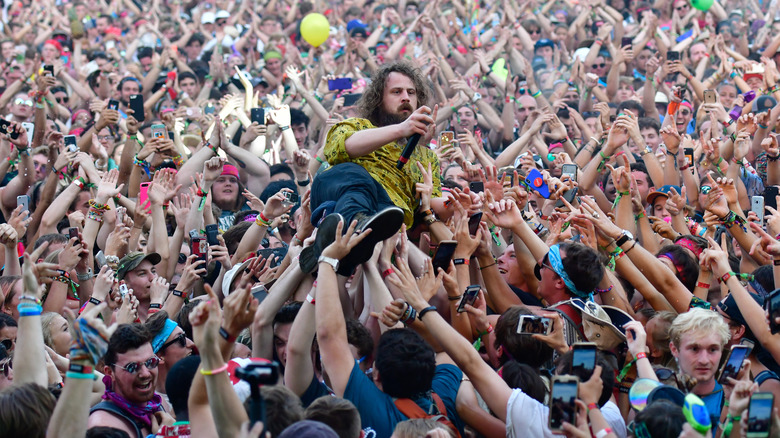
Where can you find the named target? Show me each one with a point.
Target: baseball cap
(132, 260)
(544, 42)
(222, 14)
(661, 97)
(208, 18)
(662, 191)
(763, 104)
(729, 306)
(353, 24)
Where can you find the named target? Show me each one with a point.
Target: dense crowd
(365, 218)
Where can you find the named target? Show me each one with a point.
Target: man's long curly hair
(370, 104)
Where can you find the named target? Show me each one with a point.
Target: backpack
(412, 410)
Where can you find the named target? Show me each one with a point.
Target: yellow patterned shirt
(381, 163)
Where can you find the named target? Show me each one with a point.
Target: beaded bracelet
(98, 206)
(603, 291)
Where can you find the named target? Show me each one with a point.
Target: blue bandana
(557, 264)
(159, 340)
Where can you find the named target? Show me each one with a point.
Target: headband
(557, 264)
(688, 243)
(159, 340)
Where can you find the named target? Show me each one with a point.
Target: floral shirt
(381, 165)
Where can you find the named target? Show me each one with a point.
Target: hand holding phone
(469, 296)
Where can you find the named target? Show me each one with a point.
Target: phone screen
(562, 407)
(469, 296)
(474, 221)
(199, 248)
(443, 255)
(689, 155)
(583, 360)
(533, 325)
(672, 55)
(733, 363)
(159, 131)
(760, 414)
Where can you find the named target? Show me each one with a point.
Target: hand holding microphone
(415, 126)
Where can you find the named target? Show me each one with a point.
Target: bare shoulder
(107, 419)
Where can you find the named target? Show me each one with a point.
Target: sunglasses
(685, 112)
(65, 99)
(25, 102)
(664, 373)
(522, 91)
(545, 264)
(680, 8)
(133, 367)
(8, 344)
(536, 31)
(221, 22)
(602, 65)
(181, 339)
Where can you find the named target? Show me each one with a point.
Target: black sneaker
(326, 234)
(383, 225)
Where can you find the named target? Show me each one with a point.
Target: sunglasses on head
(133, 367)
(181, 339)
(664, 373)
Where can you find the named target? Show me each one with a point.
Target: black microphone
(410, 145)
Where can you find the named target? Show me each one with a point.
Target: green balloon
(702, 5)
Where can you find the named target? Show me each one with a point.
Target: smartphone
(583, 359)
(71, 143)
(562, 407)
(278, 253)
(533, 325)
(48, 70)
(710, 96)
(469, 296)
(773, 308)
(73, 232)
(569, 170)
(760, 414)
(626, 41)
(339, 84)
(159, 131)
(689, 155)
(446, 138)
(474, 221)
(29, 128)
(199, 248)
(209, 109)
(120, 215)
(757, 205)
(136, 103)
(672, 55)
(351, 99)
(212, 231)
(123, 290)
(113, 104)
(110, 44)
(290, 198)
(143, 193)
(477, 186)
(24, 201)
(258, 116)
(5, 126)
(770, 196)
(443, 255)
(535, 181)
(733, 363)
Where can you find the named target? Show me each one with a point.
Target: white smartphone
(30, 128)
(757, 205)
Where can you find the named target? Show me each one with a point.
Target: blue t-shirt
(315, 390)
(378, 411)
(714, 403)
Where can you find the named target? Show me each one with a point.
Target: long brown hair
(370, 105)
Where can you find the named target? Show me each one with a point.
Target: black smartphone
(73, 232)
(48, 70)
(351, 99)
(568, 195)
(770, 196)
(477, 186)
(562, 406)
(24, 201)
(469, 296)
(278, 253)
(474, 221)
(689, 155)
(760, 414)
(258, 116)
(626, 41)
(534, 325)
(5, 126)
(773, 308)
(212, 231)
(443, 255)
(136, 104)
(672, 55)
(583, 359)
(733, 363)
(339, 84)
(113, 104)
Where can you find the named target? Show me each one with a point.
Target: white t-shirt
(611, 413)
(526, 417)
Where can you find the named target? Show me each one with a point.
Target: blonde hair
(702, 321)
(418, 428)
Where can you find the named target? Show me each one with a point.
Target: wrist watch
(624, 238)
(86, 276)
(329, 260)
(476, 97)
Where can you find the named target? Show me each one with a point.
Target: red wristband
(641, 355)
(592, 406)
(387, 272)
(702, 285)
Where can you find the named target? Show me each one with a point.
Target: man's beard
(384, 118)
